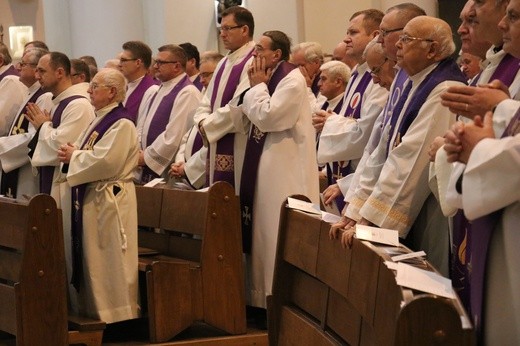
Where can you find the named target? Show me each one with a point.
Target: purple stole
(198, 83)
(47, 172)
(11, 71)
(447, 69)
(353, 110)
(354, 105)
(78, 192)
(224, 157)
(506, 70)
(160, 120)
(469, 286)
(9, 180)
(397, 92)
(479, 237)
(314, 86)
(254, 148)
(134, 100)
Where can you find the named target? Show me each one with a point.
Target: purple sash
(506, 70)
(479, 236)
(224, 157)
(198, 83)
(335, 170)
(314, 86)
(134, 100)
(469, 286)
(47, 172)
(447, 69)
(397, 91)
(11, 71)
(254, 148)
(78, 192)
(9, 182)
(354, 105)
(160, 120)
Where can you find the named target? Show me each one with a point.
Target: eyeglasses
(206, 74)
(406, 39)
(162, 62)
(122, 60)
(94, 85)
(383, 32)
(228, 28)
(376, 70)
(23, 64)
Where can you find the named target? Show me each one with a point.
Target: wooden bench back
(334, 296)
(216, 289)
(33, 298)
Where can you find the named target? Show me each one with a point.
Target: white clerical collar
(135, 81)
(419, 76)
(105, 110)
(173, 82)
(240, 52)
(33, 88)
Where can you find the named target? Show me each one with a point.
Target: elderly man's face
(381, 68)
(510, 26)
(488, 15)
(413, 48)
(356, 38)
(101, 94)
(206, 70)
(312, 67)
(391, 27)
(330, 87)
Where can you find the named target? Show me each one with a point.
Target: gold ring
(467, 107)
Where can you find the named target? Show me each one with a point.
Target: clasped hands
(36, 116)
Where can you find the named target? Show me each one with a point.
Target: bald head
(426, 41)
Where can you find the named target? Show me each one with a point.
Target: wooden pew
(191, 278)
(33, 290)
(326, 295)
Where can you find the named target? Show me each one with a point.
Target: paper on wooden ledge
(303, 206)
(423, 280)
(377, 235)
(154, 182)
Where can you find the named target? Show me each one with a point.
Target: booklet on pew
(423, 280)
(377, 235)
(312, 208)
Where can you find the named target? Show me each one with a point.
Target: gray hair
(34, 54)
(373, 44)
(441, 32)
(115, 79)
(312, 51)
(211, 55)
(336, 69)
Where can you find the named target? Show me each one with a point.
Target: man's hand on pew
(343, 224)
(347, 238)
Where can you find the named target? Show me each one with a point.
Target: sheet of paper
(391, 265)
(377, 235)
(423, 280)
(303, 206)
(330, 218)
(408, 256)
(154, 182)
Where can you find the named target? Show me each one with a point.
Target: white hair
(336, 69)
(312, 51)
(115, 79)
